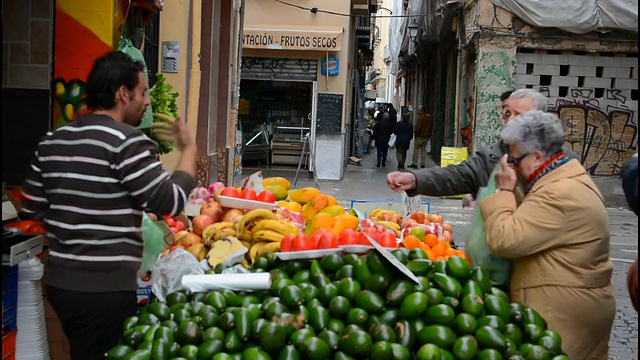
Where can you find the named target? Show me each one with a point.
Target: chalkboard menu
(329, 113)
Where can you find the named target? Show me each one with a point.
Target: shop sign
(277, 38)
(330, 66)
(258, 68)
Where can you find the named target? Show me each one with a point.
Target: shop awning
(283, 37)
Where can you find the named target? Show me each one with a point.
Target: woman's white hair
(535, 131)
(539, 101)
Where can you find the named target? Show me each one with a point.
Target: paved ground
(368, 182)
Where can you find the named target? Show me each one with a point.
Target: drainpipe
(193, 92)
(459, 91)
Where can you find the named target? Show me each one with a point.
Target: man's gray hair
(538, 101)
(535, 131)
(421, 108)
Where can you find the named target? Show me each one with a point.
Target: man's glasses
(516, 161)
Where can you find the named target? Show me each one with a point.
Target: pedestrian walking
(629, 174)
(423, 130)
(404, 134)
(382, 134)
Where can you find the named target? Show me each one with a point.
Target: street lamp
(413, 30)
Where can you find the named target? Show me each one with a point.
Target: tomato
(328, 240)
(179, 225)
(287, 243)
(372, 232)
(315, 237)
(171, 222)
(248, 194)
(366, 223)
(266, 196)
(348, 237)
(388, 239)
(173, 229)
(230, 191)
(301, 242)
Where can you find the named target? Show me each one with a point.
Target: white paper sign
(392, 259)
(410, 204)
(254, 182)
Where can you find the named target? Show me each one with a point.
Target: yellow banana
(247, 236)
(249, 219)
(388, 224)
(376, 212)
(161, 125)
(208, 234)
(253, 251)
(229, 231)
(276, 225)
(268, 247)
(164, 117)
(246, 244)
(267, 235)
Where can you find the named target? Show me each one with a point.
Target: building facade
(468, 52)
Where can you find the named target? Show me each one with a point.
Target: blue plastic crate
(9, 297)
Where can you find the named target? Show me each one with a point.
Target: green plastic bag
(127, 47)
(499, 269)
(153, 238)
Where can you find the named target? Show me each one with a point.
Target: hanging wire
(316, 10)
(126, 16)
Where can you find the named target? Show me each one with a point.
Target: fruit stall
(335, 285)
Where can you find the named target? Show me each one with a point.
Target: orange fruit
(451, 252)
(424, 246)
(439, 250)
(431, 255)
(411, 242)
(431, 239)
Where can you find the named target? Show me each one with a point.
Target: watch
(501, 190)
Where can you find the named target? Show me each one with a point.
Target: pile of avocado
(345, 307)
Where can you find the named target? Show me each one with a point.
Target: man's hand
(506, 177)
(401, 181)
(184, 138)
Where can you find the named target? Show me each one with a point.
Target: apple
(419, 232)
(189, 239)
(213, 209)
(200, 222)
(177, 236)
(231, 214)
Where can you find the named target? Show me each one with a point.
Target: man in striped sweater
(90, 181)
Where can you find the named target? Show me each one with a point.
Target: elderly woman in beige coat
(558, 238)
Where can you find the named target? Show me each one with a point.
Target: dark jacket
(393, 115)
(382, 130)
(404, 134)
(629, 174)
(464, 178)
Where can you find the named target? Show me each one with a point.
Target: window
(151, 47)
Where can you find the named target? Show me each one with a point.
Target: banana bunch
(247, 222)
(261, 248)
(162, 129)
(262, 231)
(378, 213)
(217, 231)
(390, 225)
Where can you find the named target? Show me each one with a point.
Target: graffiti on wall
(68, 101)
(466, 133)
(603, 132)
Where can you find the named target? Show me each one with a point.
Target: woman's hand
(506, 177)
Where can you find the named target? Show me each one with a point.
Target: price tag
(410, 204)
(392, 259)
(253, 182)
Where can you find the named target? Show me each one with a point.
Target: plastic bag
(169, 270)
(153, 238)
(499, 269)
(127, 47)
(392, 141)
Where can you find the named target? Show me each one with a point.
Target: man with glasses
(473, 173)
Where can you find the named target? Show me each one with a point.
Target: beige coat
(558, 239)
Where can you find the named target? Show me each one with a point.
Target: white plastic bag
(392, 141)
(168, 272)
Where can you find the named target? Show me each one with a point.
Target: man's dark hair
(109, 72)
(505, 95)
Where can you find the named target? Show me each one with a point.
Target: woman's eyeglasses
(516, 161)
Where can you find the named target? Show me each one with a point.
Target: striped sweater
(90, 181)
